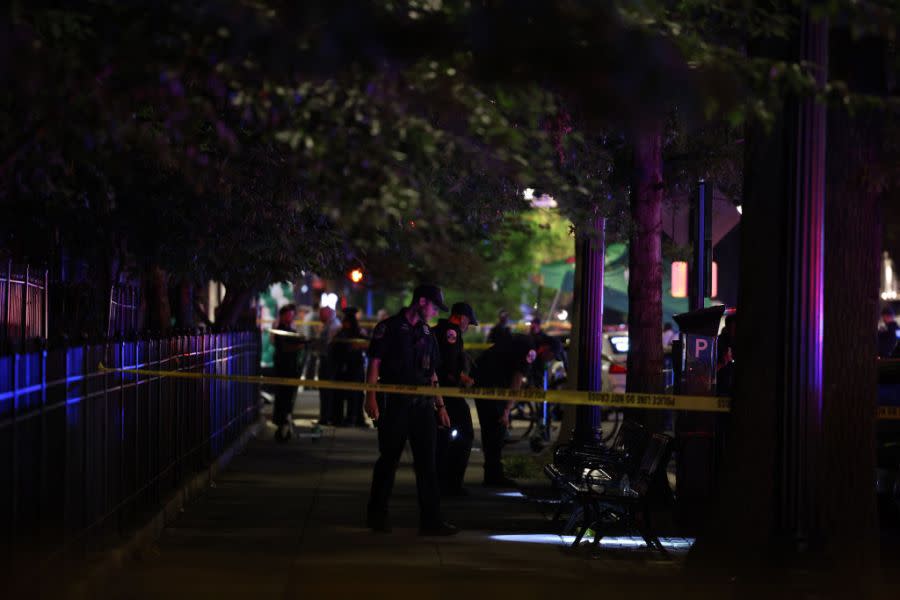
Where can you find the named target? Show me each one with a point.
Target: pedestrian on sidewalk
(503, 365)
(331, 325)
(454, 444)
(287, 348)
(726, 356)
(348, 364)
(403, 351)
(547, 348)
(500, 332)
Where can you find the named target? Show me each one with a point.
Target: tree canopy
(178, 135)
(247, 142)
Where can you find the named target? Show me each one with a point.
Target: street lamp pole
(700, 273)
(590, 263)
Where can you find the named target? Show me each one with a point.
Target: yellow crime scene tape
(515, 326)
(571, 397)
(651, 401)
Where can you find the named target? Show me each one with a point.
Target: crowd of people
(404, 349)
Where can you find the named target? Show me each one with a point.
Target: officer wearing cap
(455, 444)
(403, 350)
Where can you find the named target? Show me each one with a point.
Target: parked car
(615, 357)
(614, 370)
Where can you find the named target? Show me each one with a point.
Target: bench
(606, 503)
(571, 463)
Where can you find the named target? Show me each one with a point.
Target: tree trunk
(765, 516)
(156, 296)
(234, 307)
(847, 514)
(184, 314)
(739, 529)
(645, 356)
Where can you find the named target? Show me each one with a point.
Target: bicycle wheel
(617, 416)
(522, 419)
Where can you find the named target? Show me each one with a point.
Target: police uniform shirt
(499, 363)
(286, 352)
(345, 356)
(453, 359)
(408, 353)
(548, 347)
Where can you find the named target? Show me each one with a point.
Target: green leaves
(267, 138)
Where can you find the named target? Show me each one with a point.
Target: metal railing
(124, 304)
(23, 306)
(87, 456)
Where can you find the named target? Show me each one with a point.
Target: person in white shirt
(669, 334)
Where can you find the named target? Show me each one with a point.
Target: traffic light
(356, 275)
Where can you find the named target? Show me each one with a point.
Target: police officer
(454, 444)
(348, 362)
(287, 347)
(501, 331)
(330, 411)
(403, 351)
(503, 365)
(548, 349)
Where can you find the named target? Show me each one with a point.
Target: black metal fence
(124, 304)
(87, 456)
(23, 306)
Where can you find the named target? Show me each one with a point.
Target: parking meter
(697, 355)
(697, 433)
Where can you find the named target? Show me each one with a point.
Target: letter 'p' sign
(700, 346)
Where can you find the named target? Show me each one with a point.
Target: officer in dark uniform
(403, 351)
(287, 348)
(503, 365)
(501, 331)
(348, 363)
(548, 349)
(454, 444)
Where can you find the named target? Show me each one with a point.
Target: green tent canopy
(560, 275)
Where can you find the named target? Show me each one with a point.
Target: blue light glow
(511, 494)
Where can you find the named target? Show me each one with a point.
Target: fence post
(6, 323)
(46, 303)
(134, 309)
(14, 488)
(42, 462)
(24, 324)
(110, 314)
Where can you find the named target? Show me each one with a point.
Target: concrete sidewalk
(287, 521)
